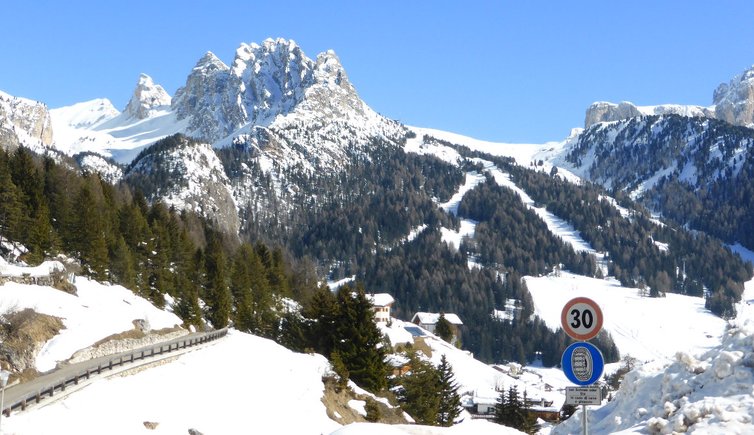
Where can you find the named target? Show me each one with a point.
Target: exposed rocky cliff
(734, 101)
(188, 175)
(603, 111)
(24, 122)
(147, 98)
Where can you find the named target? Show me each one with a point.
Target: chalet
(428, 321)
(382, 303)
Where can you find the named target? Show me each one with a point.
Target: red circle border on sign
(567, 309)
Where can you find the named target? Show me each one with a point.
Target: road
(70, 377)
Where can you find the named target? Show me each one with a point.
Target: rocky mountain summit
(603, 111)
(276, 114)
(733, 102)
(24, 122)
(147, 98)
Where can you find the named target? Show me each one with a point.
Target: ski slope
(645, 328)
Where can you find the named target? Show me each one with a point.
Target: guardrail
(145, 353)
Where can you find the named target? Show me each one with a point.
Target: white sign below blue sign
(583, 363)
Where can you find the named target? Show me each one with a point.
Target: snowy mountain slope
(522, 153)
(635, 154)
(641, 327)
(193, 179)
(97, 127)
(471, 375)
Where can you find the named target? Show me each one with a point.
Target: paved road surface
(75, 374)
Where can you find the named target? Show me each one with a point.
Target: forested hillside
(642, 252)
(699, 171)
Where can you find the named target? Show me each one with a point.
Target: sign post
(582, 362)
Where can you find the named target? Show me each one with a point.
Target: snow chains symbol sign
(582, 363)
(581, 318)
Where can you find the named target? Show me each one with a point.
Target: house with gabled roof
(381, 305)
(429, 321)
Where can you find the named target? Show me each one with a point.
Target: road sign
(583, 396)
(582, 363)
(581, 318)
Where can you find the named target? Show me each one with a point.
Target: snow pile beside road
(96, 312)
(711, 394)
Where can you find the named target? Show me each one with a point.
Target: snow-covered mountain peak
(84, 115)
(147, 97)
(329, 70)
(210, 63)
(734, 101)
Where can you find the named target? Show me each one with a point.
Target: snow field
(645, 328)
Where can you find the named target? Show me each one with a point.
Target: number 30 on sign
(581, 318)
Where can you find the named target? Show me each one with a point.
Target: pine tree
(444, 329)
(10, 207)
(511, 411)
(278, 276)
(121, 265)
(450, 402)
(322, 311)
(41, 238)
(359, 341)
(89, 239)
(419, 395)
(219, 299)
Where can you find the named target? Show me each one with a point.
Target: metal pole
(584, 428)
(2, 405)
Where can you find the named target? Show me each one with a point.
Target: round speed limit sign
(581, 318)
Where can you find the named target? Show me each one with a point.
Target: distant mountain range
(279, 147)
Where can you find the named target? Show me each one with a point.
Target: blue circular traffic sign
(583, 363)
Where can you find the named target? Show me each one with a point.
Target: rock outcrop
(147, 98)
(734, 101)
(24, 122)
(192, 178)
(603, 111)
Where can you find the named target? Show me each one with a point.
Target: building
(429, 321)
(382, 303)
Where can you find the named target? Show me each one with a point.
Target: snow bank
(43, 269)
(475, 427)
(711, 395)
(97, 312)
(240, 384)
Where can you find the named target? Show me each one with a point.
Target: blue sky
(496, 70)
